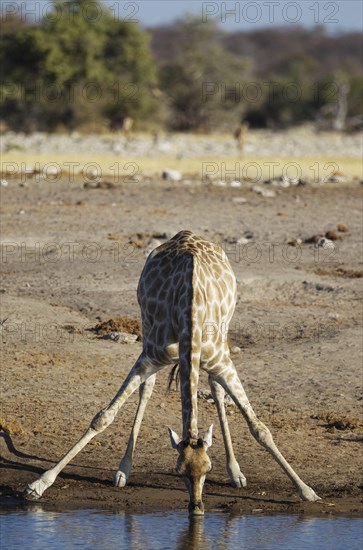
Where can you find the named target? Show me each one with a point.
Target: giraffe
(187, 296)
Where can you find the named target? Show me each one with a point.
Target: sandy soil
(71, 257)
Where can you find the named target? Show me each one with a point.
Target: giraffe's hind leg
(227, 376)
(236, 476)
(140, 372)
(123, 473)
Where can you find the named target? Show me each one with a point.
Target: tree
(204, 82)
(85, 67)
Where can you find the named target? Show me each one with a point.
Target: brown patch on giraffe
(198, 299)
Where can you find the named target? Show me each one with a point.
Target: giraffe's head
(193, 464)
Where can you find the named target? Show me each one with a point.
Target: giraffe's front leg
(236, 476)
(122, 475)
(142, 369)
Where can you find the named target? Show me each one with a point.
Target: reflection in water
(193, 536)
(41, 526)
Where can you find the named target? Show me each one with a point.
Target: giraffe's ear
(175, 439)
(208, 436)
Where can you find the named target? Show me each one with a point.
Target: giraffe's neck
(190, 405)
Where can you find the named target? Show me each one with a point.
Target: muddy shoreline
(296, 330)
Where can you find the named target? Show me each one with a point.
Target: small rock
(332, 235)
(295, 242)
(151, 245)
(123, 337)
(228, 400)
(207, 396)
(281, 181)
(163, 235)
(342, 227)
(52, 171)
(248, 234)
(324, 243)
(268, 193)
(314, 239)
(326, 288)
(242, 240)
(286, 181)
(334, 316)
(235, 349)
(173, 175)
(4, 183)
(239, 200)
(337, 179)
(235, 183)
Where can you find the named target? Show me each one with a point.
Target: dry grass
(340, 422)
(339, 272)
(132, 166)
(120, 324)
(11, 427)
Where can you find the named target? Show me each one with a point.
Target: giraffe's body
(187, 296)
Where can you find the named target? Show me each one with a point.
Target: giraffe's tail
(174, 375)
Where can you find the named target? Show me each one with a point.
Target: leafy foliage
(82, 68)
(73, 70)
(201, 80)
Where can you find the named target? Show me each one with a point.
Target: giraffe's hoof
(239, 481)
(34, 490)
(120, 479)
(309, 495)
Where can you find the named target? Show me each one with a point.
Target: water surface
(41, 528)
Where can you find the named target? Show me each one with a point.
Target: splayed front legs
(138, 374)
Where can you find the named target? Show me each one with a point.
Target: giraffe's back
(187, 285)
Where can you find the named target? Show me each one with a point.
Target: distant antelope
(122, 124)
(240, 135)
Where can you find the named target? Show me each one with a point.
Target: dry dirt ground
(71, 258)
